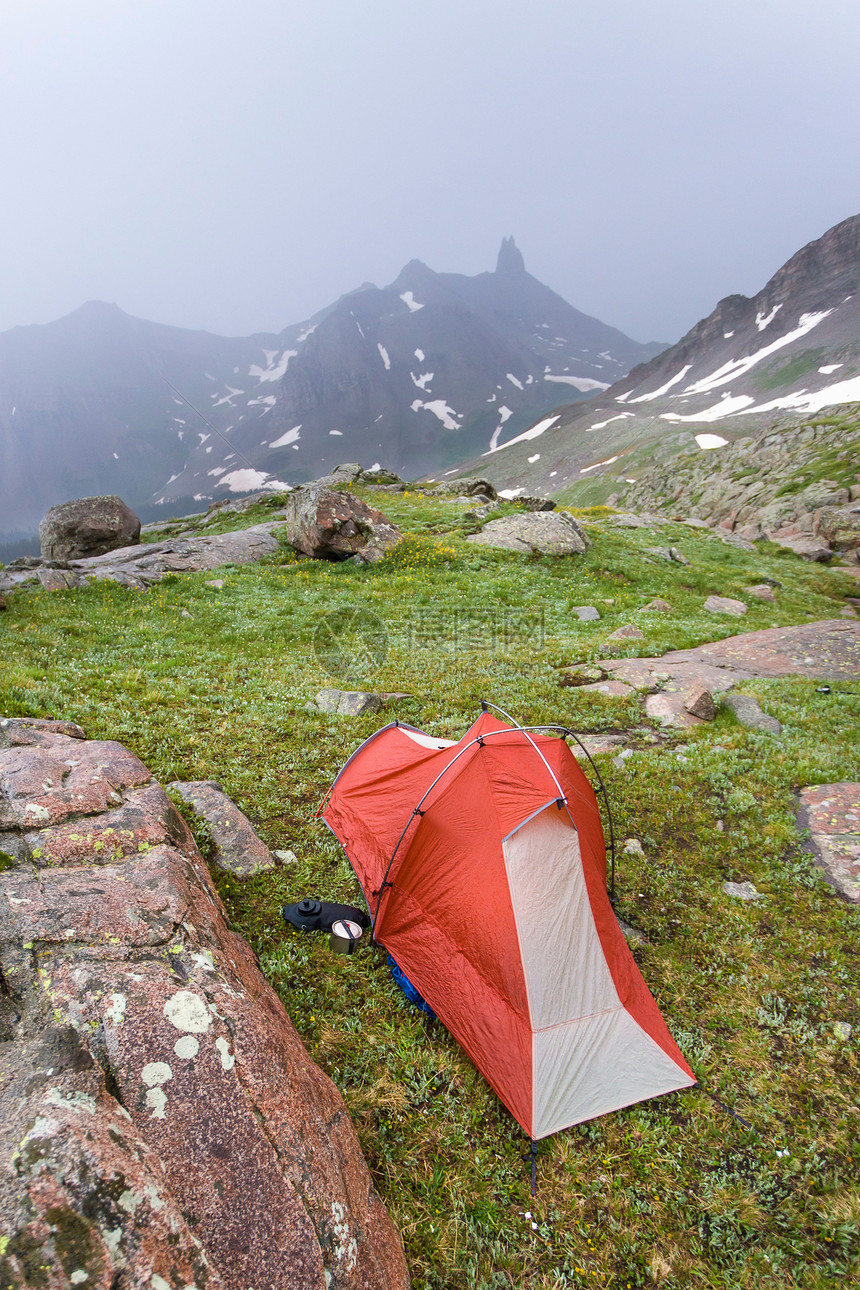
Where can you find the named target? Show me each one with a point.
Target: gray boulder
(236, 847)
(840, 527)
(86, 527)
(748, 712)
(725, 605)
(804, 545)
(534, 503)
(347, 703)
(330, 525)
(470, 486)
(543, 532)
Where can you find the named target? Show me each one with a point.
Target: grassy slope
(674, 1190)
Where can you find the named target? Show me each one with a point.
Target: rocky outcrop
(828, 650)
(773, 486)
(164, 1125)
(326, 524)
(141, 566)
(88, 526)
(541, 532)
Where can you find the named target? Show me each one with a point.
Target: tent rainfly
(483, 864)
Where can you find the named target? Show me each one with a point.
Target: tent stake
(534, 1167)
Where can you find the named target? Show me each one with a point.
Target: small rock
(670, 553)
(748, 712)
(286, 857)
(737, 539)
(700, 703)
(657, 606)
(721, 826)
(579, 674)
(632, 935)
(848, 612)
(725, 605)
(586, 613)
(217, 583)
(842, 1030)
(622, 758)
(347, 703)
(668, 707)
(633, 847)
(761, 591)
(742, 890)
(185, 614)
(618, 689)
(626, 633)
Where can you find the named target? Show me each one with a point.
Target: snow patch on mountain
(762, 319)
(709, 441)
(533, 432)
(664, 389)
(275, 367)
(740, 366)
(581, 383)
(292, 436)
(440, 409)
(608, 462)
(411, 303)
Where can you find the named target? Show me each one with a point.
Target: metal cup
(344, 937)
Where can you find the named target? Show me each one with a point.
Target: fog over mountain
(415, 375)
(227, 168)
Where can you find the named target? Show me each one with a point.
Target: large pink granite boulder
(164, 1124)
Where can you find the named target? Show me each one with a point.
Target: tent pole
(601, 789)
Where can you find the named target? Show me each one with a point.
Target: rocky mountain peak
(510, 261)
(825, 261)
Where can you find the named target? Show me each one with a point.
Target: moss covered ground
(674, 1191)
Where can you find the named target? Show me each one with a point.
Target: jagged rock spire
(510, 259)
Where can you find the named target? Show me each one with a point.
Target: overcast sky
(237, 166)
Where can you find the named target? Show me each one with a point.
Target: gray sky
(237, 166)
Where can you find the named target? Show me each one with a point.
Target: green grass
(787, 373)
(673, 1191)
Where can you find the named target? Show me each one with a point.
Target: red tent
(484, 867)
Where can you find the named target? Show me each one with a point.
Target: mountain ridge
(417, 374)
(751, 360)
